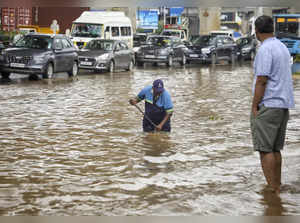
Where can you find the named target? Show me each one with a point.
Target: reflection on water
(74, 146)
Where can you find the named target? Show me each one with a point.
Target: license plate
(86, 63)
(149, 56)
(19, 65)
(194, 55)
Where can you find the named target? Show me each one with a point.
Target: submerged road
(74, 146)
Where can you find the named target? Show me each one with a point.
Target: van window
(57, 44)
(66, 44)
(123, 46)
(125, 31)
(115, 31)
(182, 35)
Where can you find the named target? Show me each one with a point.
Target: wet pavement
(74, 146)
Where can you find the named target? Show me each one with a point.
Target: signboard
(176, 11)
(148, 19)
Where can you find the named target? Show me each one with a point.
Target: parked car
(5, 39)
(101, 54)
(247, 47)
(43, 54)
(2, 47)
(139, 39)
(162, 49)
(212, 49)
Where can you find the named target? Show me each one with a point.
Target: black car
(209, 48)
(161, 49)
(2, 46)
(247, 47)
(101, 54)
(139, 39)
(43, 54)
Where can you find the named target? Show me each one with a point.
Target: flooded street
(76, 147)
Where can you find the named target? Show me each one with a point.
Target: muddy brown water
(74, 146)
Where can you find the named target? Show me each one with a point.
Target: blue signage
(176, 11)
(148, 19)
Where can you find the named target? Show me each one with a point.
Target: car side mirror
(58, 48)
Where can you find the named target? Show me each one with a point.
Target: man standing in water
(158, 107)
(273, 96)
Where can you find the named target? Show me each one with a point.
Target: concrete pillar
(209, 19)
(132, 15)
(263, 11)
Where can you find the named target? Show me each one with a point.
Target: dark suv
(161, 49)
(212, 49)
(40, 54)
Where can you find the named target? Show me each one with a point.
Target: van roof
(103, 17)
(222, 31)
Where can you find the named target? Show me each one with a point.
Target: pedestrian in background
(158, 107)
(273, 97)
(17, 36)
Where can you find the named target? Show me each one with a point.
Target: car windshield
(99, 45)
(159, 41)
(201, 40)
(212, 41)
(87, 30)
(243, 41)
(171, 33)
(35, 42)
(139, 38)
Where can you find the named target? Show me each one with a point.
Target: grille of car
(152, 52)
(80, 44)
(87, 59)
(19, 59)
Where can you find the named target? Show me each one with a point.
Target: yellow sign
(280, 19)
(292, 20)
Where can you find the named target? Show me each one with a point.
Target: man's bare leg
(271, 169)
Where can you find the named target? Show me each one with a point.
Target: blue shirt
(164, 101)
(273, 60)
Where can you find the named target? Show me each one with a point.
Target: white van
(181, 33)
(234, 35)
(101, 24)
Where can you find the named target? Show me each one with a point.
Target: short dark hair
(264, 24)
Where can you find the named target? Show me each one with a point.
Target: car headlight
(246, 49)
(205, 50)
(163, 52)
(103, 57)
(39, 59)
(136, 49)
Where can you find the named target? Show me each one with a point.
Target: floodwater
(74, 146)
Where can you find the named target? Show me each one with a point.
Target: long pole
(145, 116)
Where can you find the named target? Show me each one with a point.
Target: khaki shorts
(268, 129)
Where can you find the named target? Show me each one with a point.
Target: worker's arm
(134, 101)
(166, 118)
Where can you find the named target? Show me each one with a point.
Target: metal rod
(145, 115)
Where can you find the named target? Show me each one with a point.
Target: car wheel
(130, 66)
(49, 71)
(252, 55)
(111, 66)
(140, 64)
(232, 58)
(5, 75)
(170, 61)
(213, 58)
(74, 70)
(183, 60)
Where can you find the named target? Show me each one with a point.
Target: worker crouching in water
(158, 107)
